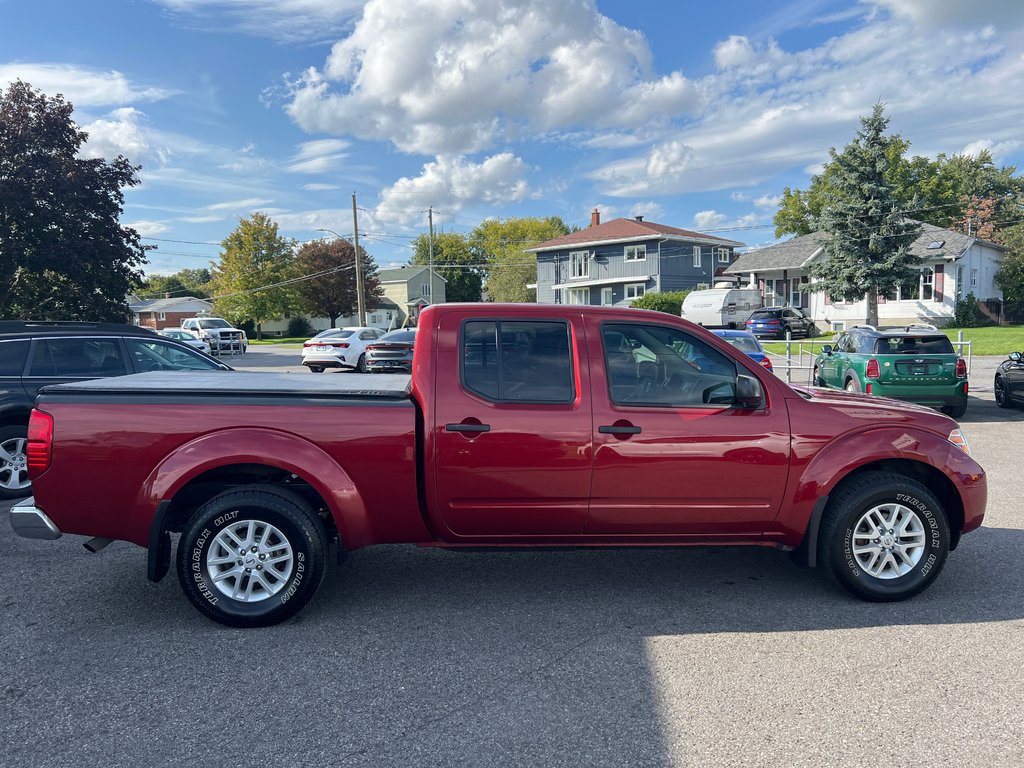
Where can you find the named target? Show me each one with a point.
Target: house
(408, 289)
(953, 265)
(621, 260)
(167, 312)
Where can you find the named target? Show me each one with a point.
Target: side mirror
(826, 349)
(1015, 356)
(749, 393)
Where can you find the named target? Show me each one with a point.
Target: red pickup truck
(520, 426)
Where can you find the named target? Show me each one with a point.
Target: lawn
(279, 340)
(984, 341)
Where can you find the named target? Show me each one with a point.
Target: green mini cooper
(914, 362)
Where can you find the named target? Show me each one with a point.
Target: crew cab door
(512, 427)
(673, 453)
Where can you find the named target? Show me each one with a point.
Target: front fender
(266, 447)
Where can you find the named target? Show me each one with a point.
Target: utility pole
(430, 241)
(359, 268)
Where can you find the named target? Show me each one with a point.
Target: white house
(953, 265)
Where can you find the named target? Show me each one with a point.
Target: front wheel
(13, 463)
(252, 557)
(1000, 390)
(884, 537)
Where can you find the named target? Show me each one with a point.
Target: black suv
(34, 354)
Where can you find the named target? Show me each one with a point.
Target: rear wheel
(361, 365)
(1000, 390)
(816, 378)
(315, 369)
(853, 384)
(252, 557)
(955, 411)
(884, 537)
(14, 482)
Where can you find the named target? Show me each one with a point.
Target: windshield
(214, 322)
(914, 345)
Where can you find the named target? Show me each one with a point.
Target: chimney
(639, 218)
(595, 217)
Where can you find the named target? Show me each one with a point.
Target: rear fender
(256, 446)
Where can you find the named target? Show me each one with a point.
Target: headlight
(956, 437)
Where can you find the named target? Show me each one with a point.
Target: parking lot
(689, 657)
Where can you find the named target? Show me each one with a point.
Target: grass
(278, 340)
(999, 341)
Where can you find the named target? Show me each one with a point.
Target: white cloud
(708, 219)
(449, 77)
(650, 210)
(453, 183)
(284, 20)
(81, 86)
(943, 13)
(320, 187)
(768, 201)
(119, 133)
(233, 205)
(734, 52)
(201, 219)
(999, 150)
(148, 228)
(318, 156)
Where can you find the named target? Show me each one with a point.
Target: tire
(361, 364)
(886, 567)
(14, 482)
(1000, 391)
(816, 378)
(281, 528)
(955, 411)
(852, 384)
(315, 369)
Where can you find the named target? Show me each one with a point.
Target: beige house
(409, 289)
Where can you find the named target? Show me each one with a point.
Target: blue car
(747, 342)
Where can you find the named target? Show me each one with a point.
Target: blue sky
(694, 115)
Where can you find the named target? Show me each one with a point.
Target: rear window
(914, 345)
(532, 363)
(744, 343)
(763, 314)
(13, 355)
(400, 336)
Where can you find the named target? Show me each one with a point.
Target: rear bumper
(936, 396)
(30, 522)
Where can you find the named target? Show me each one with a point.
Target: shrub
(670, 302)
(965, 312)
(299, 327)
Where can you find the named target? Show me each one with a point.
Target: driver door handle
(467, 428)
(611, 429)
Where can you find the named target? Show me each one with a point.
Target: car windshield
(214, 323)
(744, 343)
(914, 345)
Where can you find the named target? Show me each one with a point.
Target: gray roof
(403, 274)
(795, 253)
(173, 304)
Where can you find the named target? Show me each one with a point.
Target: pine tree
(867, 252)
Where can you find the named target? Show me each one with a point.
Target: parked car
(721, 307)
(916, 363)
(339, 348)
(392, 352)
(747, 343)
(775, 322)
(560, 437)
(36, 354)
(180, 334)
(221, 335)
(1009, 381)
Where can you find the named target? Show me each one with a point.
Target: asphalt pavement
(421, 657)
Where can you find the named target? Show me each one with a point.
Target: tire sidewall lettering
(923, 512)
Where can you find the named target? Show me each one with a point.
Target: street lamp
(359, 278)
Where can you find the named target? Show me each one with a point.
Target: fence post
(789, 356)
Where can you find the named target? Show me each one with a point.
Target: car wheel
(884, 537)
(251, 557)
(955, 411)
(1000, 390)
(315, 369)
(852, 384)
(816, 378)
(361, 364)
(14, 482)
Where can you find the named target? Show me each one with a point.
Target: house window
(702, 286)
(635, 290)
(636, 252)
(578, 296)
(162, 316)
(579, 262)
(927, 282)
(794, 293)
(606, 297)
(769, 293)
(426, 290)
(959, 282)
(838, 326)
(974, 279)
(723, 255)
(696, 256)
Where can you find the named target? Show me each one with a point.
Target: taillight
(873, 371)
(372, 348)
(40, 442)
(767, 363)
(340, 344)
(961, 368)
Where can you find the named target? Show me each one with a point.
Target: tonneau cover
(376, 385)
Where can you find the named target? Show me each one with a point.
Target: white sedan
(339, 348)
(180, 334)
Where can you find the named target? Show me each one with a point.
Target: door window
(157, 356)
(13, 355)
(661, 366)
(518, 361)
(77, 357)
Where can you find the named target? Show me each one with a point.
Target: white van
(721, 307)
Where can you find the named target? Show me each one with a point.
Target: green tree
(332, 292)
(502, 246)
(870, 237)
(454, 261)
(254, 262)
(1010, 277)
(670, 302)
(63, 252)
(185, 282)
